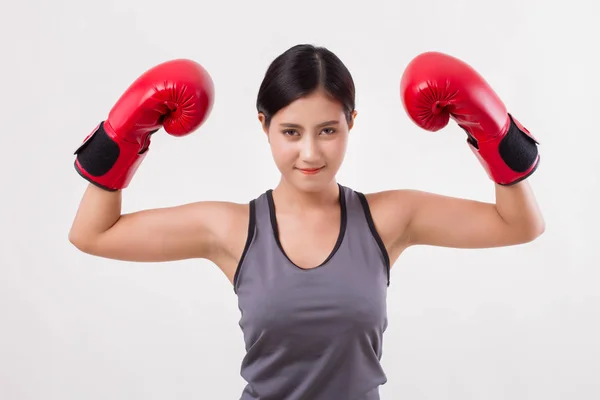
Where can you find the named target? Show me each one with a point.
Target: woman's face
(308, 140)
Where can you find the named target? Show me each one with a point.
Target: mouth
(310, 171)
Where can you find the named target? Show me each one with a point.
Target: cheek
(336, 149)
(282, 152)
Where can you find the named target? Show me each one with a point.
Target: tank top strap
(263, 217)
(362, 230)
(259, 228)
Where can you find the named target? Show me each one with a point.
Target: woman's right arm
(176, 96)
(192, 230)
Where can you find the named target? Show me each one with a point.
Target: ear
(263, 123)
(351, 123)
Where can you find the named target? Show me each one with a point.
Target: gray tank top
(313, 334)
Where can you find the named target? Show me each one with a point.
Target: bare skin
(310, 133)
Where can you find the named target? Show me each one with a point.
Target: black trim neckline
(342, 231)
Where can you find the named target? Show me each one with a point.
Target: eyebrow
(290, 125)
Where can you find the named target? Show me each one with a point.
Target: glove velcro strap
(518, 148)
(106, 161)
(98, 153)
(509, 158)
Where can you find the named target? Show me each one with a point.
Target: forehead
(315, 106)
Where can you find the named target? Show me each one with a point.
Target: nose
(309, 151)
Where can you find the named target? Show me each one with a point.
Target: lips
(309, 171)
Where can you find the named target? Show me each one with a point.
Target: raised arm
(436, 88)
(195, 230)
(421, 218)
(176, 95)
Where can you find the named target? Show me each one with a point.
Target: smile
(310, 171)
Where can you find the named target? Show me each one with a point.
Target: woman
(310, 259)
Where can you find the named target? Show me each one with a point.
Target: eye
(331, 131)
(289, 132)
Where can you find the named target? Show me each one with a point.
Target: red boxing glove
(436, 87)
(177, 95)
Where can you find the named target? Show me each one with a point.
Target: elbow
(77, 242)
(539, 227)
(533, 231)
(82, 244)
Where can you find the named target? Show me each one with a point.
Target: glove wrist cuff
(108, 161)
(511, 157)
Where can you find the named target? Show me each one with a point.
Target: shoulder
(215, 213)
(391, 211)
(391, 203)
(230, 221)
(224, 217)
(211, 221)
(229, 224)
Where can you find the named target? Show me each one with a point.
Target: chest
(308, 241)
(316, 276)
(345, 294)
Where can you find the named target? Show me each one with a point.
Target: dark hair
(298, 72)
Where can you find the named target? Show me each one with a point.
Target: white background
(510, 323)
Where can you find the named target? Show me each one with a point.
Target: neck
(293, 198)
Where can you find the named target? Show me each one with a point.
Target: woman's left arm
(445, 221)
(435, 88)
